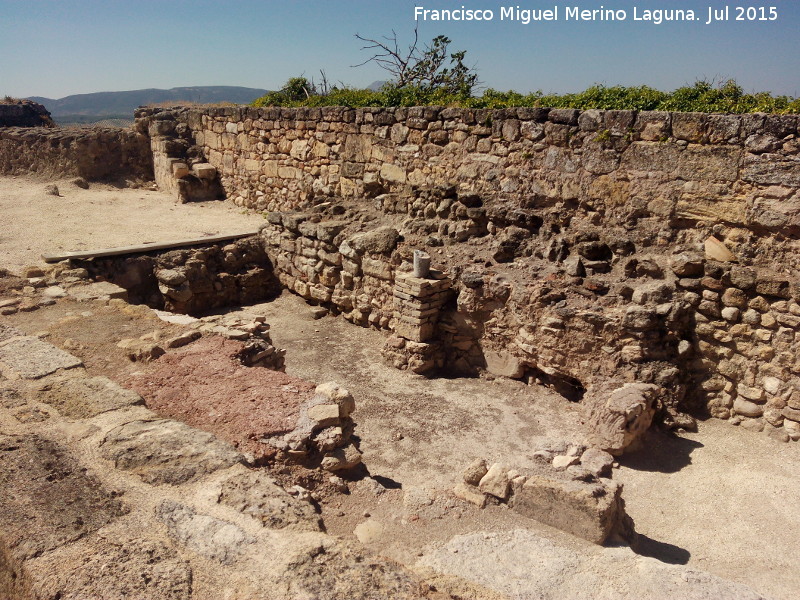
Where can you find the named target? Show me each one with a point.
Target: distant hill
(122, 104)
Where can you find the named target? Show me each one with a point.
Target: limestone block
(503, 364)
(204, 171)
(166, 451)
(393, 173)
(617, 419)
(495, 482)
(589, 511)
(716, 250)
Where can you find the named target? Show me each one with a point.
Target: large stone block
(592, 511)
(617, 419)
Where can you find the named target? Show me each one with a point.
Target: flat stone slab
(258, 495)
(112, 567)
(101, 290)
(166, 451)
(215, 539)
(30, 358)
(84, 397)
(527, 565)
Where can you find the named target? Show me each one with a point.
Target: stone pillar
(417, 303)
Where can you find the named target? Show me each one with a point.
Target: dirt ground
(102, 216)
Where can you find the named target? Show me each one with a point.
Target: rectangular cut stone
(31, 358)
(589, 511)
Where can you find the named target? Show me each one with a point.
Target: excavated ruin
(641, 265)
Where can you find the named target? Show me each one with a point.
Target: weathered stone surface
(744, 407)
(83, 397)
(597, 461)
(591, 511)
(617, 419)
(470, 493)
(31, 358)
(527, 565)
(503, 364)
(379, 241)
(716, 250)
(48, 499)
(99, 567)
(341, 459)
(101, 290)
(217, 540)
(166, 451)
(258, 495)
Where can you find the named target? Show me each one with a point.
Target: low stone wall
(192, 280)
(93, 153)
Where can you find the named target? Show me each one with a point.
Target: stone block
(495, 482)
(617, 419)
(592, 511)
(166, 451)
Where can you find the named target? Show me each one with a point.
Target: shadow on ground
(661, 453)
(666, 553)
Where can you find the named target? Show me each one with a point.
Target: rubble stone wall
(95, 153)
(680, 167)
(24, 113)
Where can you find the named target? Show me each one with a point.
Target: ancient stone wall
(595, 202)
(93, 153)
(24, 113)
(679, 167)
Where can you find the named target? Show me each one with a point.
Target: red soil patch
(204, 386)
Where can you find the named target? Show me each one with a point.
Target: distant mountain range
(105, 105)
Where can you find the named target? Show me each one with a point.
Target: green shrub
(702, 96)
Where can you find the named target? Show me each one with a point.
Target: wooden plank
(142, 248)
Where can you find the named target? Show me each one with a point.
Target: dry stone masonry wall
(93, 153)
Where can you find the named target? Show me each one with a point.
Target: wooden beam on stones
(142, 248)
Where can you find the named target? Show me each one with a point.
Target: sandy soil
(102, 216)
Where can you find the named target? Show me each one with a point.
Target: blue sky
(56, 48)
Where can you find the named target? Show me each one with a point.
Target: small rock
(475, 472)
(80, 182)
(470, 494)
(369, 531)
(597, 461)
(495, 482)
(716, 250)
(319, 312)
(341, 459)
(562, 462)
(52, 190)
(54, 291)
(324, 414)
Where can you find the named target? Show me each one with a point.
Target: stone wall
(24, 113)
(594, 203)
(93, 153)
(192, 280)
(679, 167)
